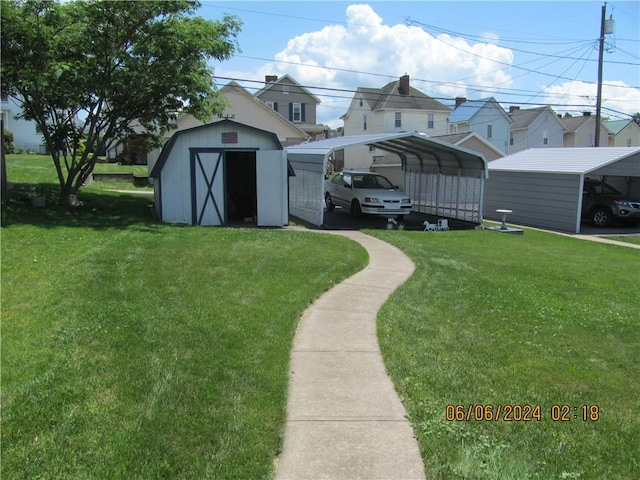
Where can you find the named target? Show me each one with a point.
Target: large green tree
(88, 72)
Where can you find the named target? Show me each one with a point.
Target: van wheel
(329, 203)
(601, 217)
(356, 211)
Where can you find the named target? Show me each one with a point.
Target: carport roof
(414, 148)
(564, 160)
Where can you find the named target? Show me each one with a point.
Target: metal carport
(442, 179)
(543, 186)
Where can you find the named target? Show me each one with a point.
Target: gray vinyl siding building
(544, 187)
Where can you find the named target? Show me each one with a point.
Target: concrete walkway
(344, 418)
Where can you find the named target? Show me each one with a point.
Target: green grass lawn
(132, 349)
(539, 319)
(622, 238)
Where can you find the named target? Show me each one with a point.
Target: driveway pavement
(344, 418)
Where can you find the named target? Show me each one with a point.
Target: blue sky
(525, 53)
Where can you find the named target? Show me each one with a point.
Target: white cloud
(580, 96)
(365, 52)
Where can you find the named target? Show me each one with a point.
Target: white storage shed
(544, 186)
(222, 173)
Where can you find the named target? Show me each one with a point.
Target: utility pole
(600, 60)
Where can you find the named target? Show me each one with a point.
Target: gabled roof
(572, 124)
(285, 80)
(616, 126)
(563, 160)
(389, 97)
(524, 118)
(235, 86)
(469, 109)
(460, 138)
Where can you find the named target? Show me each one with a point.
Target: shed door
(207, 188)
(271, 180)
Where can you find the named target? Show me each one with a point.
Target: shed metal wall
(306, 189)
(544, 200)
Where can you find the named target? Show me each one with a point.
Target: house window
(511, 139)
(629, 142)
(489, 131)
(361, 102)
(398, 123)
(372, 148)
(454, 128)
(545, 137)
(364, 122)
(285, 89)
(591, 141)
(297, 113)
(270, 105)
(430, 120)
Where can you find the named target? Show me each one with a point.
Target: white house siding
(629, 136)
(25, 135)
(533, 135)
(585, 134)
(383, 121)
(545, 200)
(500, 126)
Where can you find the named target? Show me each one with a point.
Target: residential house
(534, 128)
(581, 132)
(396, 107)
(485, 117)
(391, 167)
(294, 102)
(25, 134)
(242, 107)
(622, 133)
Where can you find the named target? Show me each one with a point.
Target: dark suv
(602, 204)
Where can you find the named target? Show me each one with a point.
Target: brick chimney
(460, 101)
(404, 88)
(513, 108)
(270, 79)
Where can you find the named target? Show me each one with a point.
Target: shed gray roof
(166, 149)
(564, 160)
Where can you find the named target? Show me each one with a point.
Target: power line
(352, 92)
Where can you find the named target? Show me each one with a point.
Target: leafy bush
(8, 141)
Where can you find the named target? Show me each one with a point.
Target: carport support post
(458, 193)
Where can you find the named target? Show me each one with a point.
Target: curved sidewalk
(344, 418)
